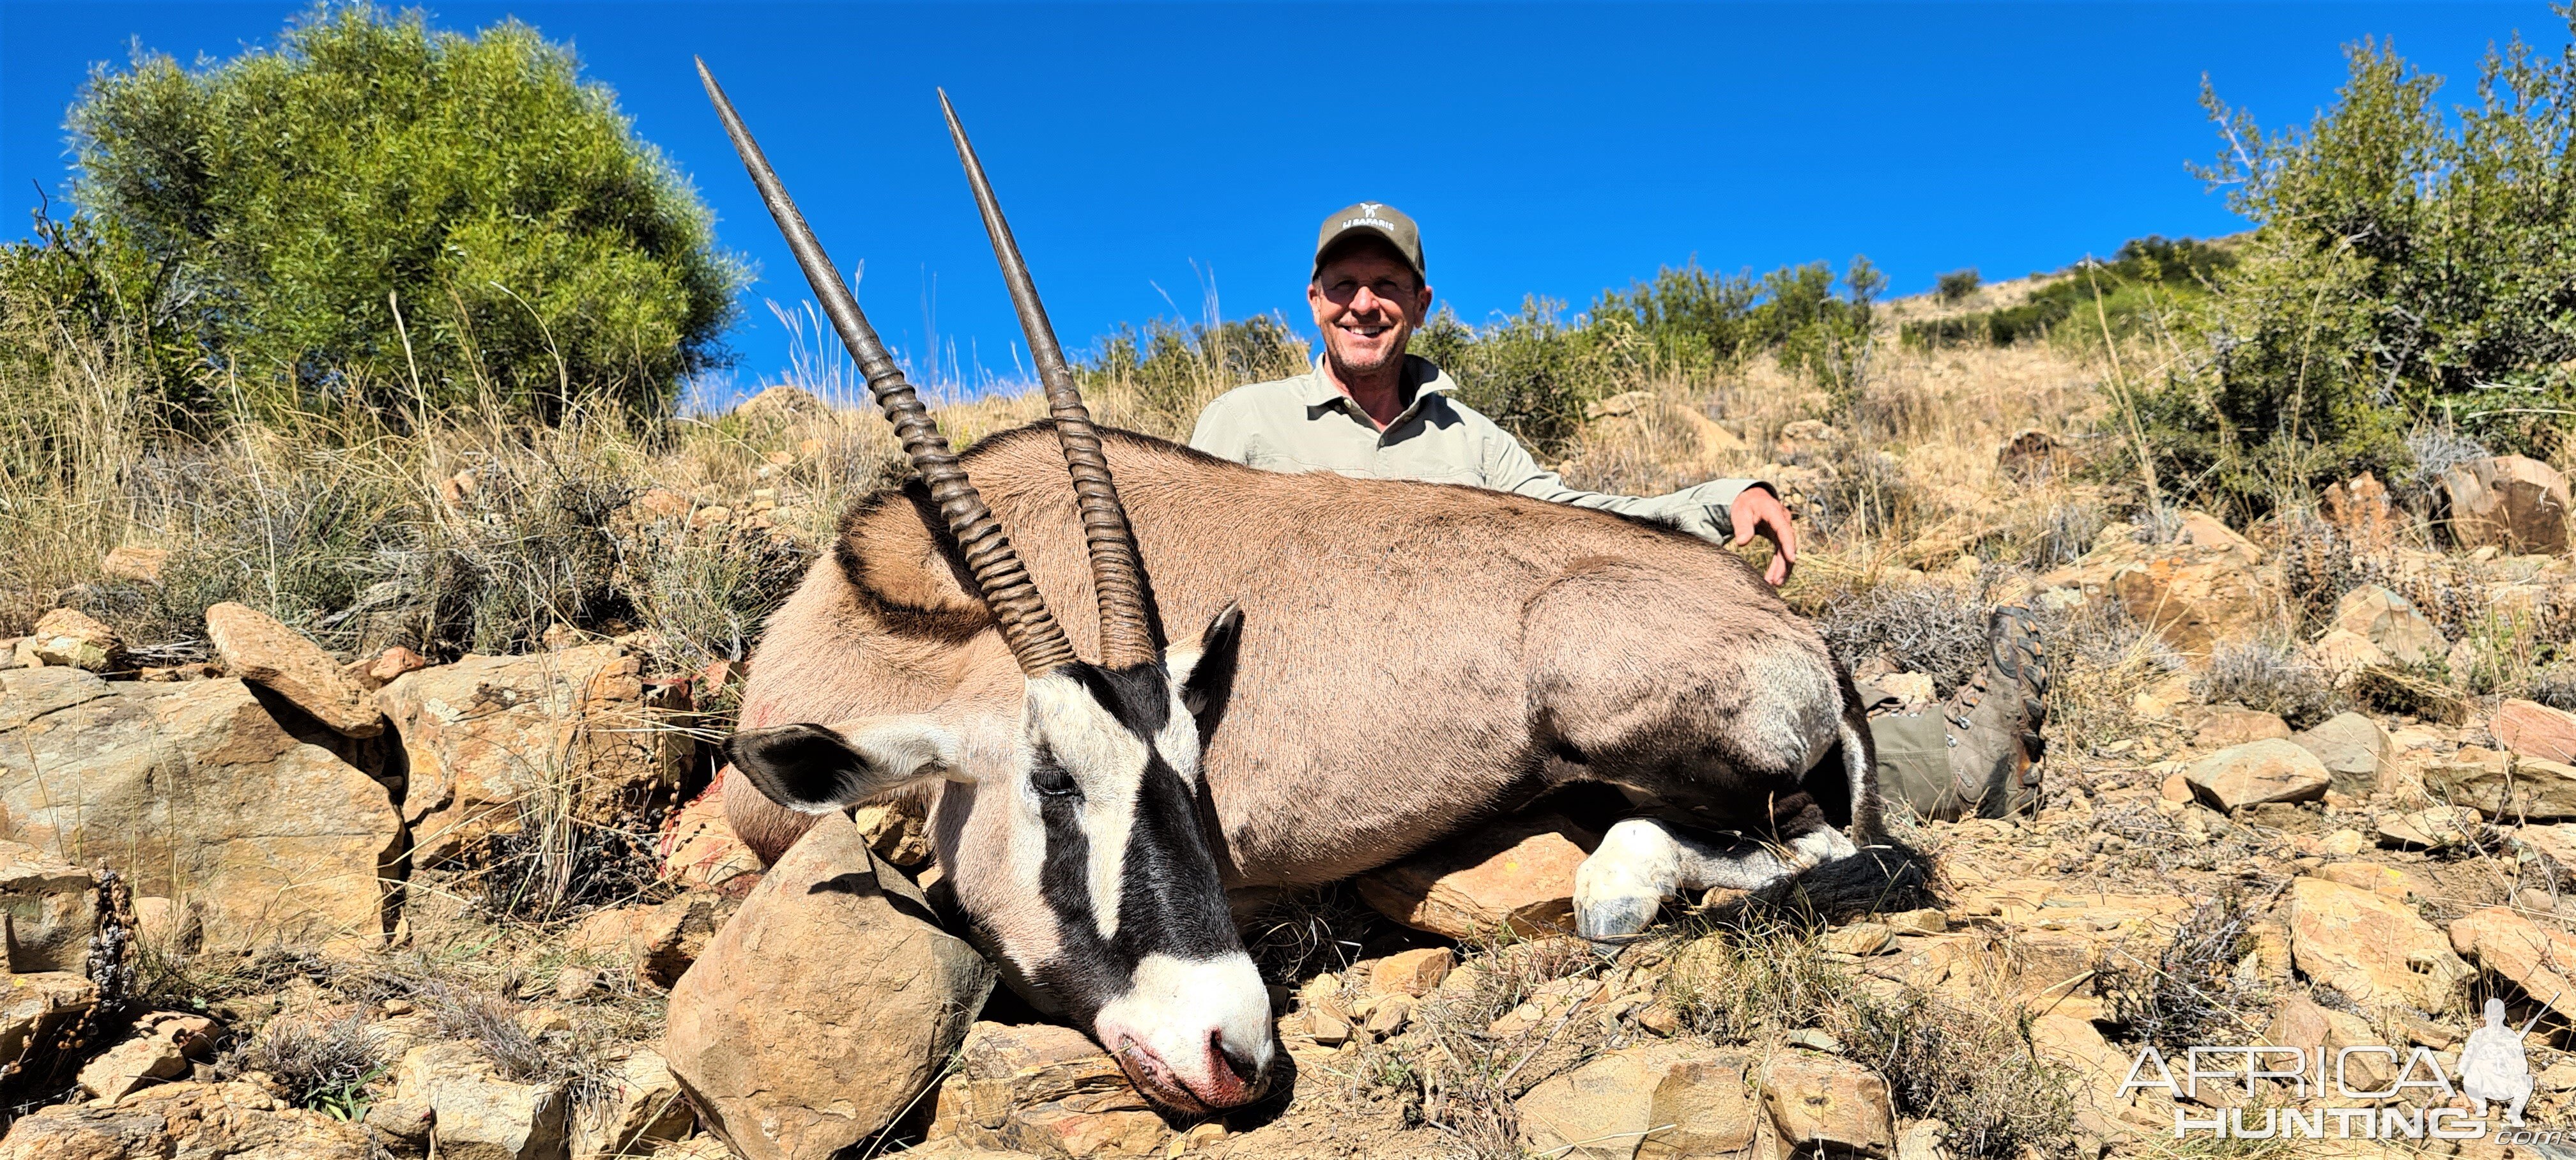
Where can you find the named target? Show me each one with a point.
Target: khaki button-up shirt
(1306, 424)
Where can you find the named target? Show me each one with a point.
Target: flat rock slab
(1665, 1099)
(2390, 622)
(2531, 729)
(2500, 785)
(825, 1006)
(257, 648)
(196, 794)
(1828, 1102)
(1516, 875)
(1046, 1091)
(2375, 949)
(192, 1121)
(50, 908)
(2512, 501)
(2539, 961)
(2271, 770)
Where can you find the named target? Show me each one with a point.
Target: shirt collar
(1427, 378)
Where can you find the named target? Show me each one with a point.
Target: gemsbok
(1374, 666)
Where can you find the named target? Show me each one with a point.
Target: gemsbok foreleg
(1642, 861)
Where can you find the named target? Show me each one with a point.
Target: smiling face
(1367, 302)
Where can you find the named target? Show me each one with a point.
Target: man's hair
(1364, 240)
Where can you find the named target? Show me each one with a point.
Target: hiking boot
(1977, 754)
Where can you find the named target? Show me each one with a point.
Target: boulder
(258, 649)
(2196, 599)
(185, 1121)
(2358, 508)
(2345, 655)
(2557, 841)
(2301, 1023)
(781, 403)
(33, 1008)
(2531, 729)
(2500, 786)
(491, 738)
(1517, 874)
(2509, 501)
(897, 831)
(134, 562)
(2273, 770)
(640, 1109)
(2232, 725)
(2433, 829)
(1663, 1099)
(2374, 949)
(699, 849)
(160, 1048)
(1828, 1102)
(660, 941)
(163, 925)
(474, 1112)
(48, 910)
(196, 794)
(2353, 748)
(1046, 1091)
(1412, 973)
(825, 1006)
(2388, 621)
(2540, 961)
(68, 637)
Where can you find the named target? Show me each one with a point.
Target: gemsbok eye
(1054, 783)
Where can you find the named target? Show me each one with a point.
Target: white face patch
(1108, 763)
(1178, 1007)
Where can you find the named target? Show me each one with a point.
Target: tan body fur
(1414, 656)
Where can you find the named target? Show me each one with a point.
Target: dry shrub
(324, 1064)
(1925, 626)
(2100, 659)
(1306, 932)
(2193, 992)
(1974, 1070)
(2272, 678)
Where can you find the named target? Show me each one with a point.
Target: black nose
(1237, 1062)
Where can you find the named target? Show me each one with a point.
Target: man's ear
(1204, 673)
(815, 769)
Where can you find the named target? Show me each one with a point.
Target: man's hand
(1757, 511)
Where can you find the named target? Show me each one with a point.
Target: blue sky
(1151, 154)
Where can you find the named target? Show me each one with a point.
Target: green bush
(1956, 285)
(1535, 371)
(1170, 371)
(2149, 277)
(277, 210)
(2409, 268)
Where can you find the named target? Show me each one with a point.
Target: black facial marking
(1170, 901)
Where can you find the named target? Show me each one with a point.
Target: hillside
(2303, 786)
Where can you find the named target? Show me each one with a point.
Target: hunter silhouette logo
(2494, 1067)
(1368, 209)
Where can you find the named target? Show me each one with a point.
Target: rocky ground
(2311, 783)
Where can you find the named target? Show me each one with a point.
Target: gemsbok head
(1070, 830)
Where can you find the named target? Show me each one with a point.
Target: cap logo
(1368, 209)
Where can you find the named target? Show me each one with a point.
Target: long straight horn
(1129, 630)
(1035, 638)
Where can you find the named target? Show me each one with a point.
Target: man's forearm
(1700, 510)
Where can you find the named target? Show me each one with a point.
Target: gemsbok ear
(1204, 673)
(815, 769)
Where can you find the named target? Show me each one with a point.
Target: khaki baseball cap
(1378, 218)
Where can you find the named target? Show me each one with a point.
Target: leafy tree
(378, 214)
(2408, 267)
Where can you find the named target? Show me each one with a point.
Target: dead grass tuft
(2271, 678)
(324, 1064)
